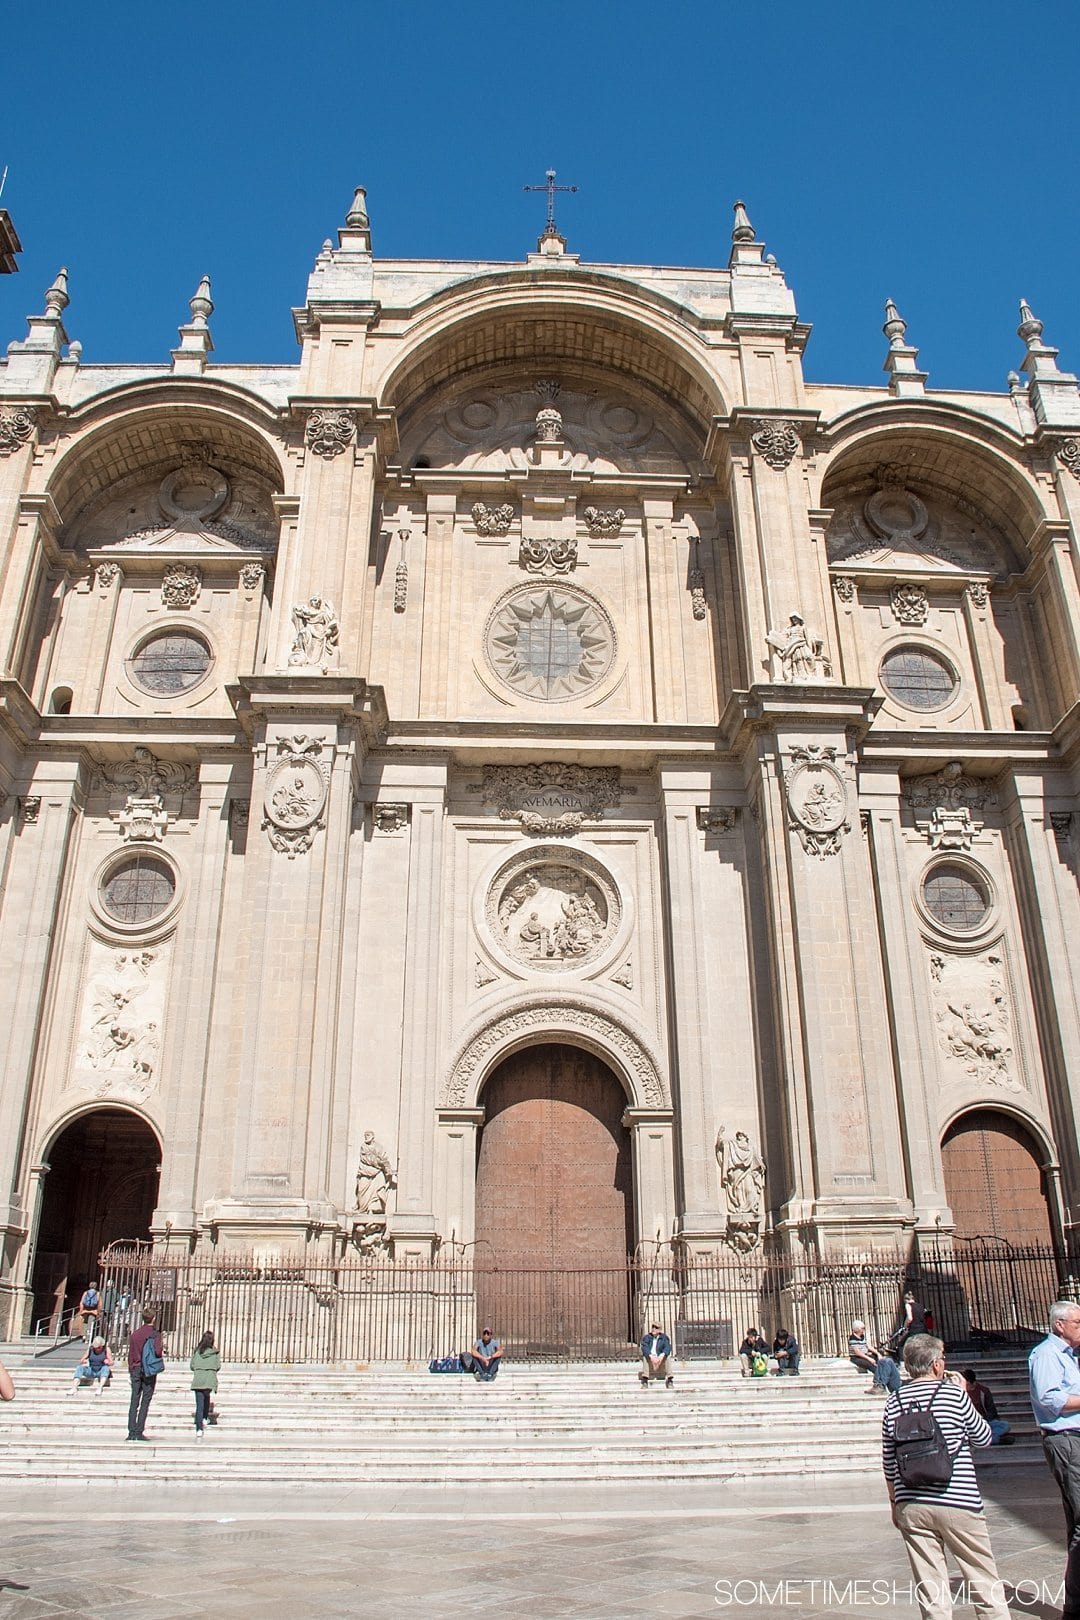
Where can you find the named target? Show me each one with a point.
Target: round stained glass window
(139, 889)
(918, 679)
(955, 899)
(170, 664)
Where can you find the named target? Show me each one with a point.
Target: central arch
(554, 1202)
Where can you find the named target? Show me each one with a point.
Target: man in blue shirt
(1055, 1400)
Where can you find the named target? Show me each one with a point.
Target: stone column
(834, 1039)
(651, 1146)
(455, 1173)
(412, 1226)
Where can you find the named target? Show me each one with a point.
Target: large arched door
(554, 1202)
(993, 1181)
(102, 1185)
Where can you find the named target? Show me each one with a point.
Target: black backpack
(923, 1458)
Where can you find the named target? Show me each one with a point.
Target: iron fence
(359, 1310)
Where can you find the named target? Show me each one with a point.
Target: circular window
(550, 642)
(956, 899)
(170, 664)
(138, 890)
(918, 679)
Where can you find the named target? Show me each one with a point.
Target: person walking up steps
(205, 1366)
(145, 1361)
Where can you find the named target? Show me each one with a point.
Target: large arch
(994, 1166)
(560, 1019)
(101, 1186)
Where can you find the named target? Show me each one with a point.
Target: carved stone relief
(329, 431)
(295, 795)
(909, 604)
(1068, 453)
(315, 636)
(695, 584)
(30, 808)
(251, 578)
(118, 1037)
(553, 911)
(604, 522)
(557, 555)
(549, 425)
(492, 519)
(180, 586)
(107, 574)
(717, 818)
(742, 1176)
(16, 426)
(551, 798)
(893, 521)
(549, 642)
(943, 802)
(974, 1026)
(143, 819)
(625, 975)
(978, 593)
(482, 974)
(376, 1177)
(144, 775)
(797, 654)
(401, 574)
(817, 800)
(777, 443)
(389, 818)
(844, 586)
(560, 1013)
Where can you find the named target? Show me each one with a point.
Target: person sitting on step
(752, 1351)
(96, 1368)
(655, 1350)
(868, 1358)
(485, 1358)
(786, 1352)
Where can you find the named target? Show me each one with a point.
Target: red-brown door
(554, 1203)
(993, 1180)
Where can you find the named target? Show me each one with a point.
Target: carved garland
(554, 1016)
(492, 519)
(604, 522)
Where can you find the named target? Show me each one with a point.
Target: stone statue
(315, 639)
(742, 1176)
(375, 1176)
(799, 651)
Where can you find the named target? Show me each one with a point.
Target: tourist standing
(937, 1518)
(90, 1307)
(1054, 1380)
(145, 1361)
(205, 1366)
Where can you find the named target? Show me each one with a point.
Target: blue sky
(923, 152)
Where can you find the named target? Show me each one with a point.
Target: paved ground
(601, 1554)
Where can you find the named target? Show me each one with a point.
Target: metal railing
(356, 1309)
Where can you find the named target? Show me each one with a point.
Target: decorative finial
(74, 353)
(1015, 385)
(1030, 328)
(895, 326)
(357, 217)
(744, 231)
(56, 299)
(202, 305)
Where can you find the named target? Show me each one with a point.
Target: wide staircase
(396, 1424)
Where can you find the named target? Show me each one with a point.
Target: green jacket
(205, 1366)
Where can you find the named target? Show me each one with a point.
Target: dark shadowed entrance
(554, 1201)
(102, 1185)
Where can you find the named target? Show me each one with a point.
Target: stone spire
(32, 363)
(195, 340)
(905, 378)
(355, 235)
(1053, 393)
(56, 298)
(745, 247)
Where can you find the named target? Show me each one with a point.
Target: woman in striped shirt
(934, 1519)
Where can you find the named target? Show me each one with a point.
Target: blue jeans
(202, 1406)
(887, 1373)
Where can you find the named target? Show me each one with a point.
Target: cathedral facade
(539, 776)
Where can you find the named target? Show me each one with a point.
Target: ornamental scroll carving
(551, 799)
(251, 578)
(1068, 453)
(943, 803)
(776, 443)
(180, 586)
(145, 776)
(974, 1024)
(329, 432)
(909, 604)
(551, 556)
(817, 800)
(492, 519)
(296, 791)
(562, 1014)
(16, 426)
(604, 522)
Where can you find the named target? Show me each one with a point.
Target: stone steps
(387, 1425)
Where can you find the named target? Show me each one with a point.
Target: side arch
(562, 1021)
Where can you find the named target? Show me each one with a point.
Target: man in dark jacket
(655, 1350)
(143, 1383)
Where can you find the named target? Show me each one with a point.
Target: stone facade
(542, 659)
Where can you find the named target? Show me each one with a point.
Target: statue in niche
(315, 634)
(742, 1176)
(799, 652)
(375, 1177)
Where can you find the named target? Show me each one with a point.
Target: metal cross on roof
(551, 188)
